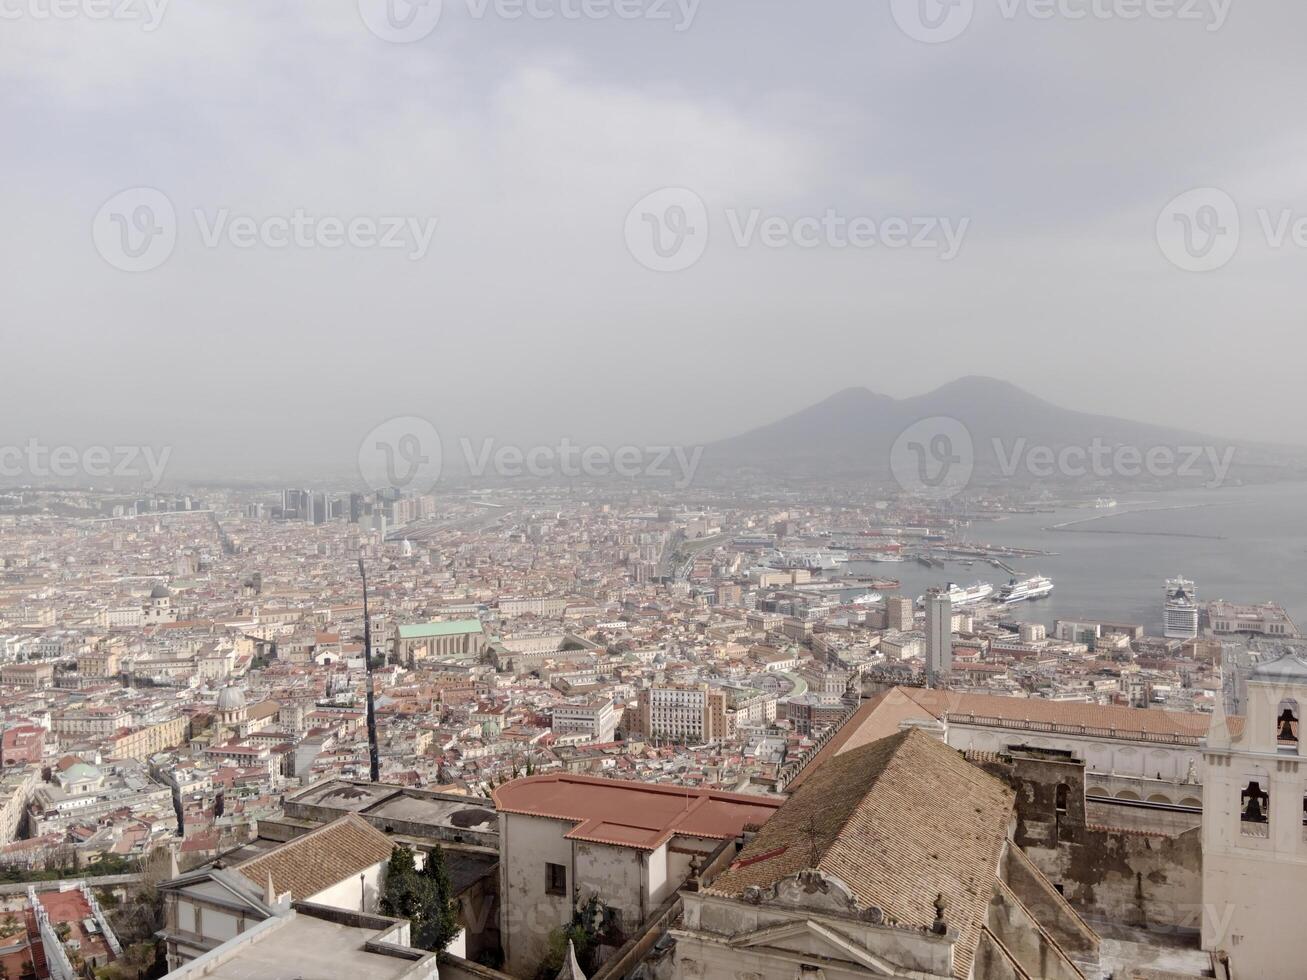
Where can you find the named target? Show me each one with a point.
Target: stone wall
(1142, 876)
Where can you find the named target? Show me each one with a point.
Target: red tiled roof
(630, 814)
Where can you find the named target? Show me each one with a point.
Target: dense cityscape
(186, 695)
(653, 490)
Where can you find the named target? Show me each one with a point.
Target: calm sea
(1245, 544)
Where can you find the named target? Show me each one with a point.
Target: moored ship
(1025, 590)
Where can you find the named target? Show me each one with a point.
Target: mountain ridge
(855, 429)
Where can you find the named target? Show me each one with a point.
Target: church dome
(231, 699)
(160, 591)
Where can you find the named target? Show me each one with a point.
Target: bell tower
(1255, 826)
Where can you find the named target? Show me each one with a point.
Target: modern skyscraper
(939, 634)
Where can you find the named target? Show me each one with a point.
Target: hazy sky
(1055, 143)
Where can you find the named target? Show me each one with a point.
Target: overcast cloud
(525, 315)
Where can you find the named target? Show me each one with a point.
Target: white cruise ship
(1025, 590)
(967, 595)
(817, 561)
(1180, 612)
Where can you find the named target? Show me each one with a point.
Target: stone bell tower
(1255, 827)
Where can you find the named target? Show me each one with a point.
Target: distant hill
(854, 431)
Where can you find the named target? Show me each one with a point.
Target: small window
(555, 879)
(1063, 792)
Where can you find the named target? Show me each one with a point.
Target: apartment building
(684, 713)
(93, 721)
(146, 740)
(531, 606)
(33, 676)
(595, 719)
(899, 613)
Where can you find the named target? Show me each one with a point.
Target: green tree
(583, 931)
(442, 910)
(425, 899)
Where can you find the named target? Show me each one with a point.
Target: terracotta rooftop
(630, 814)
(321, 858)
(899, 821)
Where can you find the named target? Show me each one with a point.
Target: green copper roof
(454, 627)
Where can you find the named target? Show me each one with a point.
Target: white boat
(1025, 590)
(967, 595)
(817, 561)
(1180, 613)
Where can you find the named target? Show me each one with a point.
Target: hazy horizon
(525, 313)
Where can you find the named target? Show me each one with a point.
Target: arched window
(1063, 793)
(1254, 810)
(1286, 725)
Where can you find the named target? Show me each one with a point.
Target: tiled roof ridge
(348, 818)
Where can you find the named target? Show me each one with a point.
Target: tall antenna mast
(374, 760)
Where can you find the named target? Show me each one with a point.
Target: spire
(571, 968)
(1218, 732)
(269, 893)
